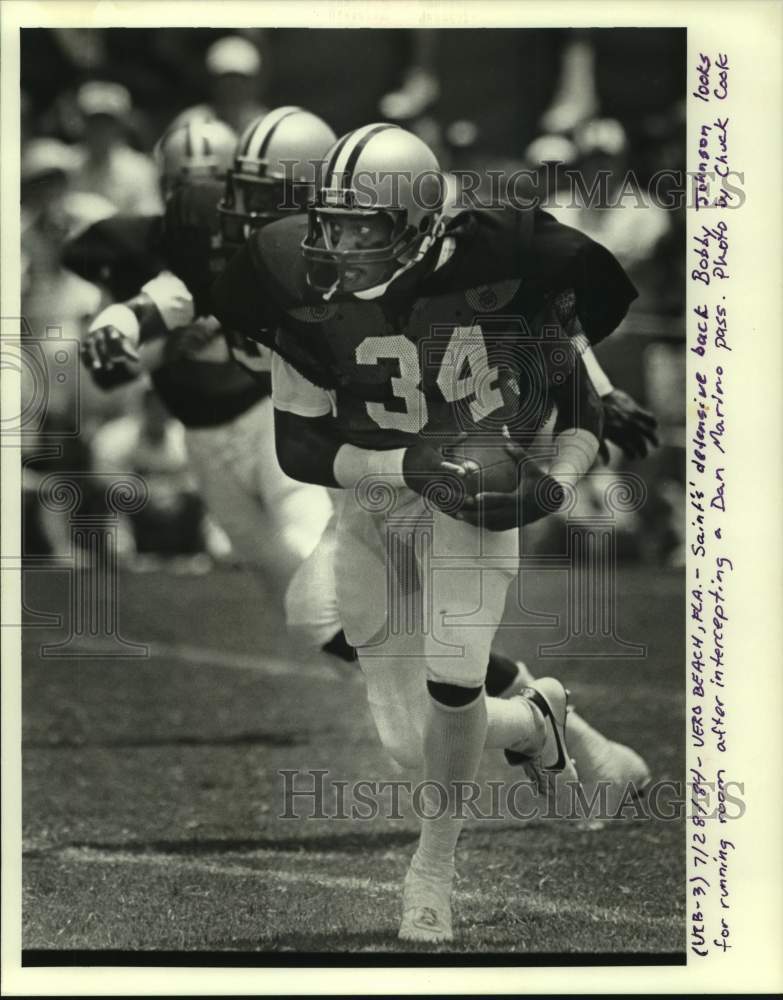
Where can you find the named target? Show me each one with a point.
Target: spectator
(609, 205)
(151, 444)
(109, 166)
(234, 66)
(52, 294)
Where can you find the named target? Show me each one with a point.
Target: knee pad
(452, 695)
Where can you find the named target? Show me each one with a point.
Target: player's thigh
(300, 511)
(311, 598)
(223, 490)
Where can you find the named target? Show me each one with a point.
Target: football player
(226, 408)
(256, 189)
(396, 331)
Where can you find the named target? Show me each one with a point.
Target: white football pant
(245, 490)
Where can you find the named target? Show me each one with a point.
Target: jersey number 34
(464, 371)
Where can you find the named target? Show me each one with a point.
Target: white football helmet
(194, 150)
(377, 170)
(274, 169)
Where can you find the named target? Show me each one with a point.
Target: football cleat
(426, 906)
(610, 773)
(551, 769)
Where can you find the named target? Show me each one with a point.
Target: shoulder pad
(277, 253)
(495, 242)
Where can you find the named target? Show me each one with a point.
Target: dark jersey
(484, 339)
(123, 253)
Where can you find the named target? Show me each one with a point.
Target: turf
(152, 798)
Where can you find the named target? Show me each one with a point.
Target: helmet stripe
(268, 138)
(189, 140)
(259, 135)
(357, 151)
(328, 173)
(354, 139)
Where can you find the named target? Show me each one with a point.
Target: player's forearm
(309, 451)
(596, 374)
(163, 304)
(137, 319)
(578, 427)
(598, 377)
(576, 452)
(305, 448)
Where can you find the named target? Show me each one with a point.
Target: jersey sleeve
(120, 253)
(292, 393)
(561, 259)
(172, 299)
(604, 292)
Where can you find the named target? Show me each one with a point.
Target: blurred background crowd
(94, 102)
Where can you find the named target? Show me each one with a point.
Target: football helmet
(274, 169)
(383, 171)
(193, 151)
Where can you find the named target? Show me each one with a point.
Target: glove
(627, 425)
(440, 481)
(538, 494)
(110, 356)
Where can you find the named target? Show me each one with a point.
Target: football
(491, 469)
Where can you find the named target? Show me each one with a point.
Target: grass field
(152, 798)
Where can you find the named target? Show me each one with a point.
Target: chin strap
(330, 292)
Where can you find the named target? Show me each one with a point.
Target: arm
(306, 448)
(119, 253)
(626, 424)
(577, 433)
(112, 348)
(578, 426)
(311, 449)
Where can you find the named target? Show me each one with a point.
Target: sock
(453, 744)
(515, 723)
(338, 645)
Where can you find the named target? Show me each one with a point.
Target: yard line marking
(535, 905)
(334, 672)
(260, 663)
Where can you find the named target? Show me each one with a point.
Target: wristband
(596, 374)
(576, 452)
(352, 464)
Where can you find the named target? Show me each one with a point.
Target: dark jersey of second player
(123, 253)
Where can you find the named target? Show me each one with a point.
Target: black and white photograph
(356, 495)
